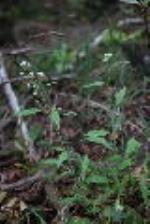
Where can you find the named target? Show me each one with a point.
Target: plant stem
(147, 33)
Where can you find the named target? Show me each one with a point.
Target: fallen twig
(44, 34)
(22, 183)
(17, 51)
(99, 39)
(130, 22)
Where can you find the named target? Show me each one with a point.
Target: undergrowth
(87, 114)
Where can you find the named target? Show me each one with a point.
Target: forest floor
(91, 132)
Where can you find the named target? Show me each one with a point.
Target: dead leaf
(3, 195)
(114, 136)
(23, 206)
(11, 203)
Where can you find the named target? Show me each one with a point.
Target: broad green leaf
(36, 132)
(28, 112)
(97, 136)
(126, 163)
(104, 142)
(49, 162)
(120, 96)
(97, 133)
(84, 166)
(96, 179)
(55, 118)
(145, 189)
(62, 158)
(132, 147)
(59, 149)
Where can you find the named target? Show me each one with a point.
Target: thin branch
(27, 181)
(44, 34)
(14, 105)
(129, 22)
(24, 78)
(22, 183)
(17, 51)
(49, 77)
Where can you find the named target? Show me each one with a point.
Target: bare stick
(22, 183)
(17, 51)
(130, 22)
(14, 104)
(45, 77)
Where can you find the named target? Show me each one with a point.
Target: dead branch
(25, 182)
(99, 39)
(14, 105)
(49, 77)
(45, 34)
(22, 79)
(130, 22)
(17, 51)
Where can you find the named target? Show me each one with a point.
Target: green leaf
(132, 147)
(97, 133)
(39, 217)
(96, 179)
(36, 132)
(97, 136)
(126, 163)
(28, 112)
(59, 149)
(93, 85)
(105, 143)
(58, 162)
(132, 216)
(77, 220)
(120, 96)
(49, 162)
(84, 166)
(145, 189)
(62, 158)
(114, 36)
(55, 118)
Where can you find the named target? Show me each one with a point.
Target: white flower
(26, 64)
(21, 73)
(41, 74)
(107, 57)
